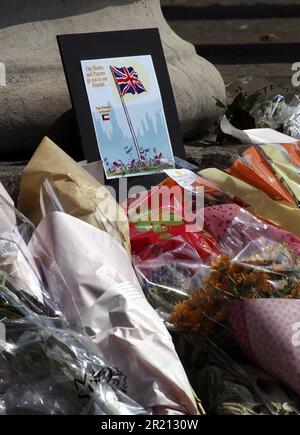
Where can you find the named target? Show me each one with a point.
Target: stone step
(238, 31)
(228, 34)
(221, 10)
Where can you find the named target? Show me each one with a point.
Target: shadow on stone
(64, 132)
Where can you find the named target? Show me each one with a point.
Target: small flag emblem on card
(105, 117)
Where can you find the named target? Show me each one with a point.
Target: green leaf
(250, 101)
(158, 228)
(237, 104)
(219, 103)
(172, 223)
(165, 236)
(143, 226)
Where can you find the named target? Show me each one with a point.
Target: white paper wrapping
(114, 310)
(255, 135)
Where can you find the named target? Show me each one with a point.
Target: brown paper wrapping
(80, 194)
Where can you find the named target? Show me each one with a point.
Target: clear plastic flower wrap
(166, 253)
(49, 368)
(277, 112)
(173, 269)
(251, 296)
(245, 292)
(47, 365)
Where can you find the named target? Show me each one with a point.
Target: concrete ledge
(211, 155)
(202, 154)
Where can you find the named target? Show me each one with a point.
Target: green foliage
(238, 113)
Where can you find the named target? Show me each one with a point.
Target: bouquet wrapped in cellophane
(47, 365)
(94, 264)
(236, 283)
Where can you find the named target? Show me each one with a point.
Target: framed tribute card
(123, 101)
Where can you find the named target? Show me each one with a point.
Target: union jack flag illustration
(127, 80)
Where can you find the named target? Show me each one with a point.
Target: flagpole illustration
(135, 140)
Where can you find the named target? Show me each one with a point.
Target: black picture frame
(84, 46)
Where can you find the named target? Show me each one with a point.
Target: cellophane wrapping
(48, 365)
(235, 282)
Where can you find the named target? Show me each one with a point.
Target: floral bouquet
(47, 365)
(246, 292)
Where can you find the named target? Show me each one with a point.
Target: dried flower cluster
(259, 277)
